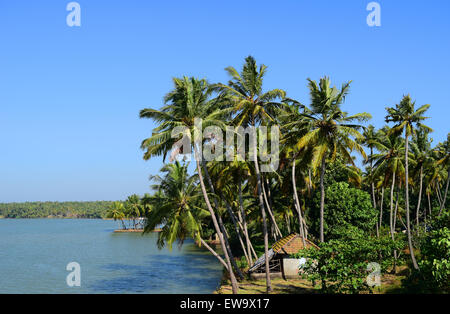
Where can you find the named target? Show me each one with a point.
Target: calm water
(34, 254)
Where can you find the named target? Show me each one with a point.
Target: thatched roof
(290, 244)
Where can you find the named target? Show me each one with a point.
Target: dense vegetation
(389, 211)
(97, 209)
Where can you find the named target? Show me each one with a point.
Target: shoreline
(135, 230)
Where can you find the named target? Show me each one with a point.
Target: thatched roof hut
(281, 249)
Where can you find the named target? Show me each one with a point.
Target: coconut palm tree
(117, 212)
(405, 117)
(252, 108)
(176, 208)
(371, 140)
(388, 165)
(133, 208)
(332, 131)
(180, 126)
(295, 126)
(443, 154)
(420, 147)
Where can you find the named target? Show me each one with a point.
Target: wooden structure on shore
(281, 250)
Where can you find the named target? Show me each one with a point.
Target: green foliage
(345, 207)
(55, 209)
(175, 206)
(341, 266)
(434, 263)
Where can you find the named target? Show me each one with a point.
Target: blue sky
(70, 97)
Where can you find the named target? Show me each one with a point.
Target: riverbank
(135, 230)
(389, 284)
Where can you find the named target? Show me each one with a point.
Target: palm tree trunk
(391, 220)
(234, 285)
(227, 245)
(408, 227)
(420, 198)
(244, 220)
(445, 194)
(396, 210)
(288, 223)
(381, 207)
(310, 180)
(322, 198)
(297, 205)
(221, 225)
(272, 217)
(236, 227)
(213, 252)
(438, 194)
(373, 189)
(263, 213)
(429, 204)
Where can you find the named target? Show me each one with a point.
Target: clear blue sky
(70, 97)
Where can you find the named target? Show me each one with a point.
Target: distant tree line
(96, 209)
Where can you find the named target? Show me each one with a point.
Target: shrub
(434, 263)
(345, 207)
(340, 265)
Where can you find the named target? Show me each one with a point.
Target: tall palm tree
(252, 108)
(443, 153)
(295, 126)
(188, 101)
(405, 117)
(332, 131)
(388, 165)
(420, 147)
(371, 140)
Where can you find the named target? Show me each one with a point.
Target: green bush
(341, 265)
(434, 263)
(345, 207)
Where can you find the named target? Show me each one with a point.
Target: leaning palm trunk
(263, 214)
(420, 198)
(244, 220)
(322, 198)
(203, 242)
(227, 245)
(272, 217)
(234, 285)
(221, 225)
(408, 226)
(236, 228)
(297, 206)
